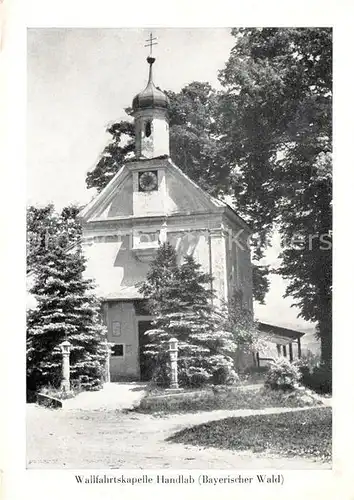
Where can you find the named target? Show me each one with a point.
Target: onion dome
(151, 96)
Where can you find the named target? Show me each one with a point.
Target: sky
(80, 80)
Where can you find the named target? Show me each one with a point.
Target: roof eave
(279, 330)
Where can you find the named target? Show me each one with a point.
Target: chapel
(150, 201)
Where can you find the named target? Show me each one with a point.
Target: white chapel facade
(149, 201)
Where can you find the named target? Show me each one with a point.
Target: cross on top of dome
(151, 96)
(151, 42)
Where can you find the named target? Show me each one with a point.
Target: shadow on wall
(122, 203)
(181, 199)
(134, 271)
(184, 243)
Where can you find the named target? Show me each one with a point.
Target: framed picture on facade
(116, 329)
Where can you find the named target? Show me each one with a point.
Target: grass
(226, 398)
(304, 433)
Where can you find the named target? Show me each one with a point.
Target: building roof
(198, 201)
(151, 96)
(280, 331)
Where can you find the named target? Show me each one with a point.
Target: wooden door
(145, 366)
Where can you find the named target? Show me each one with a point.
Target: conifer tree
(160, 284)
(46, 226)
(180, 299)
(66, 310)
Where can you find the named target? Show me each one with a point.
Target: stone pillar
(217, 264)
(291, 357)
(65, 350)
(163, 234)
(173, 351)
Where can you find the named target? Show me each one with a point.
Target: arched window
(147, 129)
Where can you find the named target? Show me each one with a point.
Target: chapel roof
(151, 96)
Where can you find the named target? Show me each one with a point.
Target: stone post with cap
(65, 350)
(173, 352)
(108, 362)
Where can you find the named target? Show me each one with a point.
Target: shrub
(250, 370)
(318, 379)
(310, 359)
(254, 374)
(222, 370)
(160, 370)
(189, 375)
(198, 377)
(194, 372)
(221, 397)
(199, 371)
(322, 376)
(282, 375)
(223, 375)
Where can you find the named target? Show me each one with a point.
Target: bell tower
(150, 111)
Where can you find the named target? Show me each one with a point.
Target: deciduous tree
(47, 228)
(275, 112)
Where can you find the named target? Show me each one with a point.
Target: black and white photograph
(179, 249)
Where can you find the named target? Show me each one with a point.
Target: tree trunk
(325, 332)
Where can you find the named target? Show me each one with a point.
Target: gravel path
(113, 396)
(89, 433)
